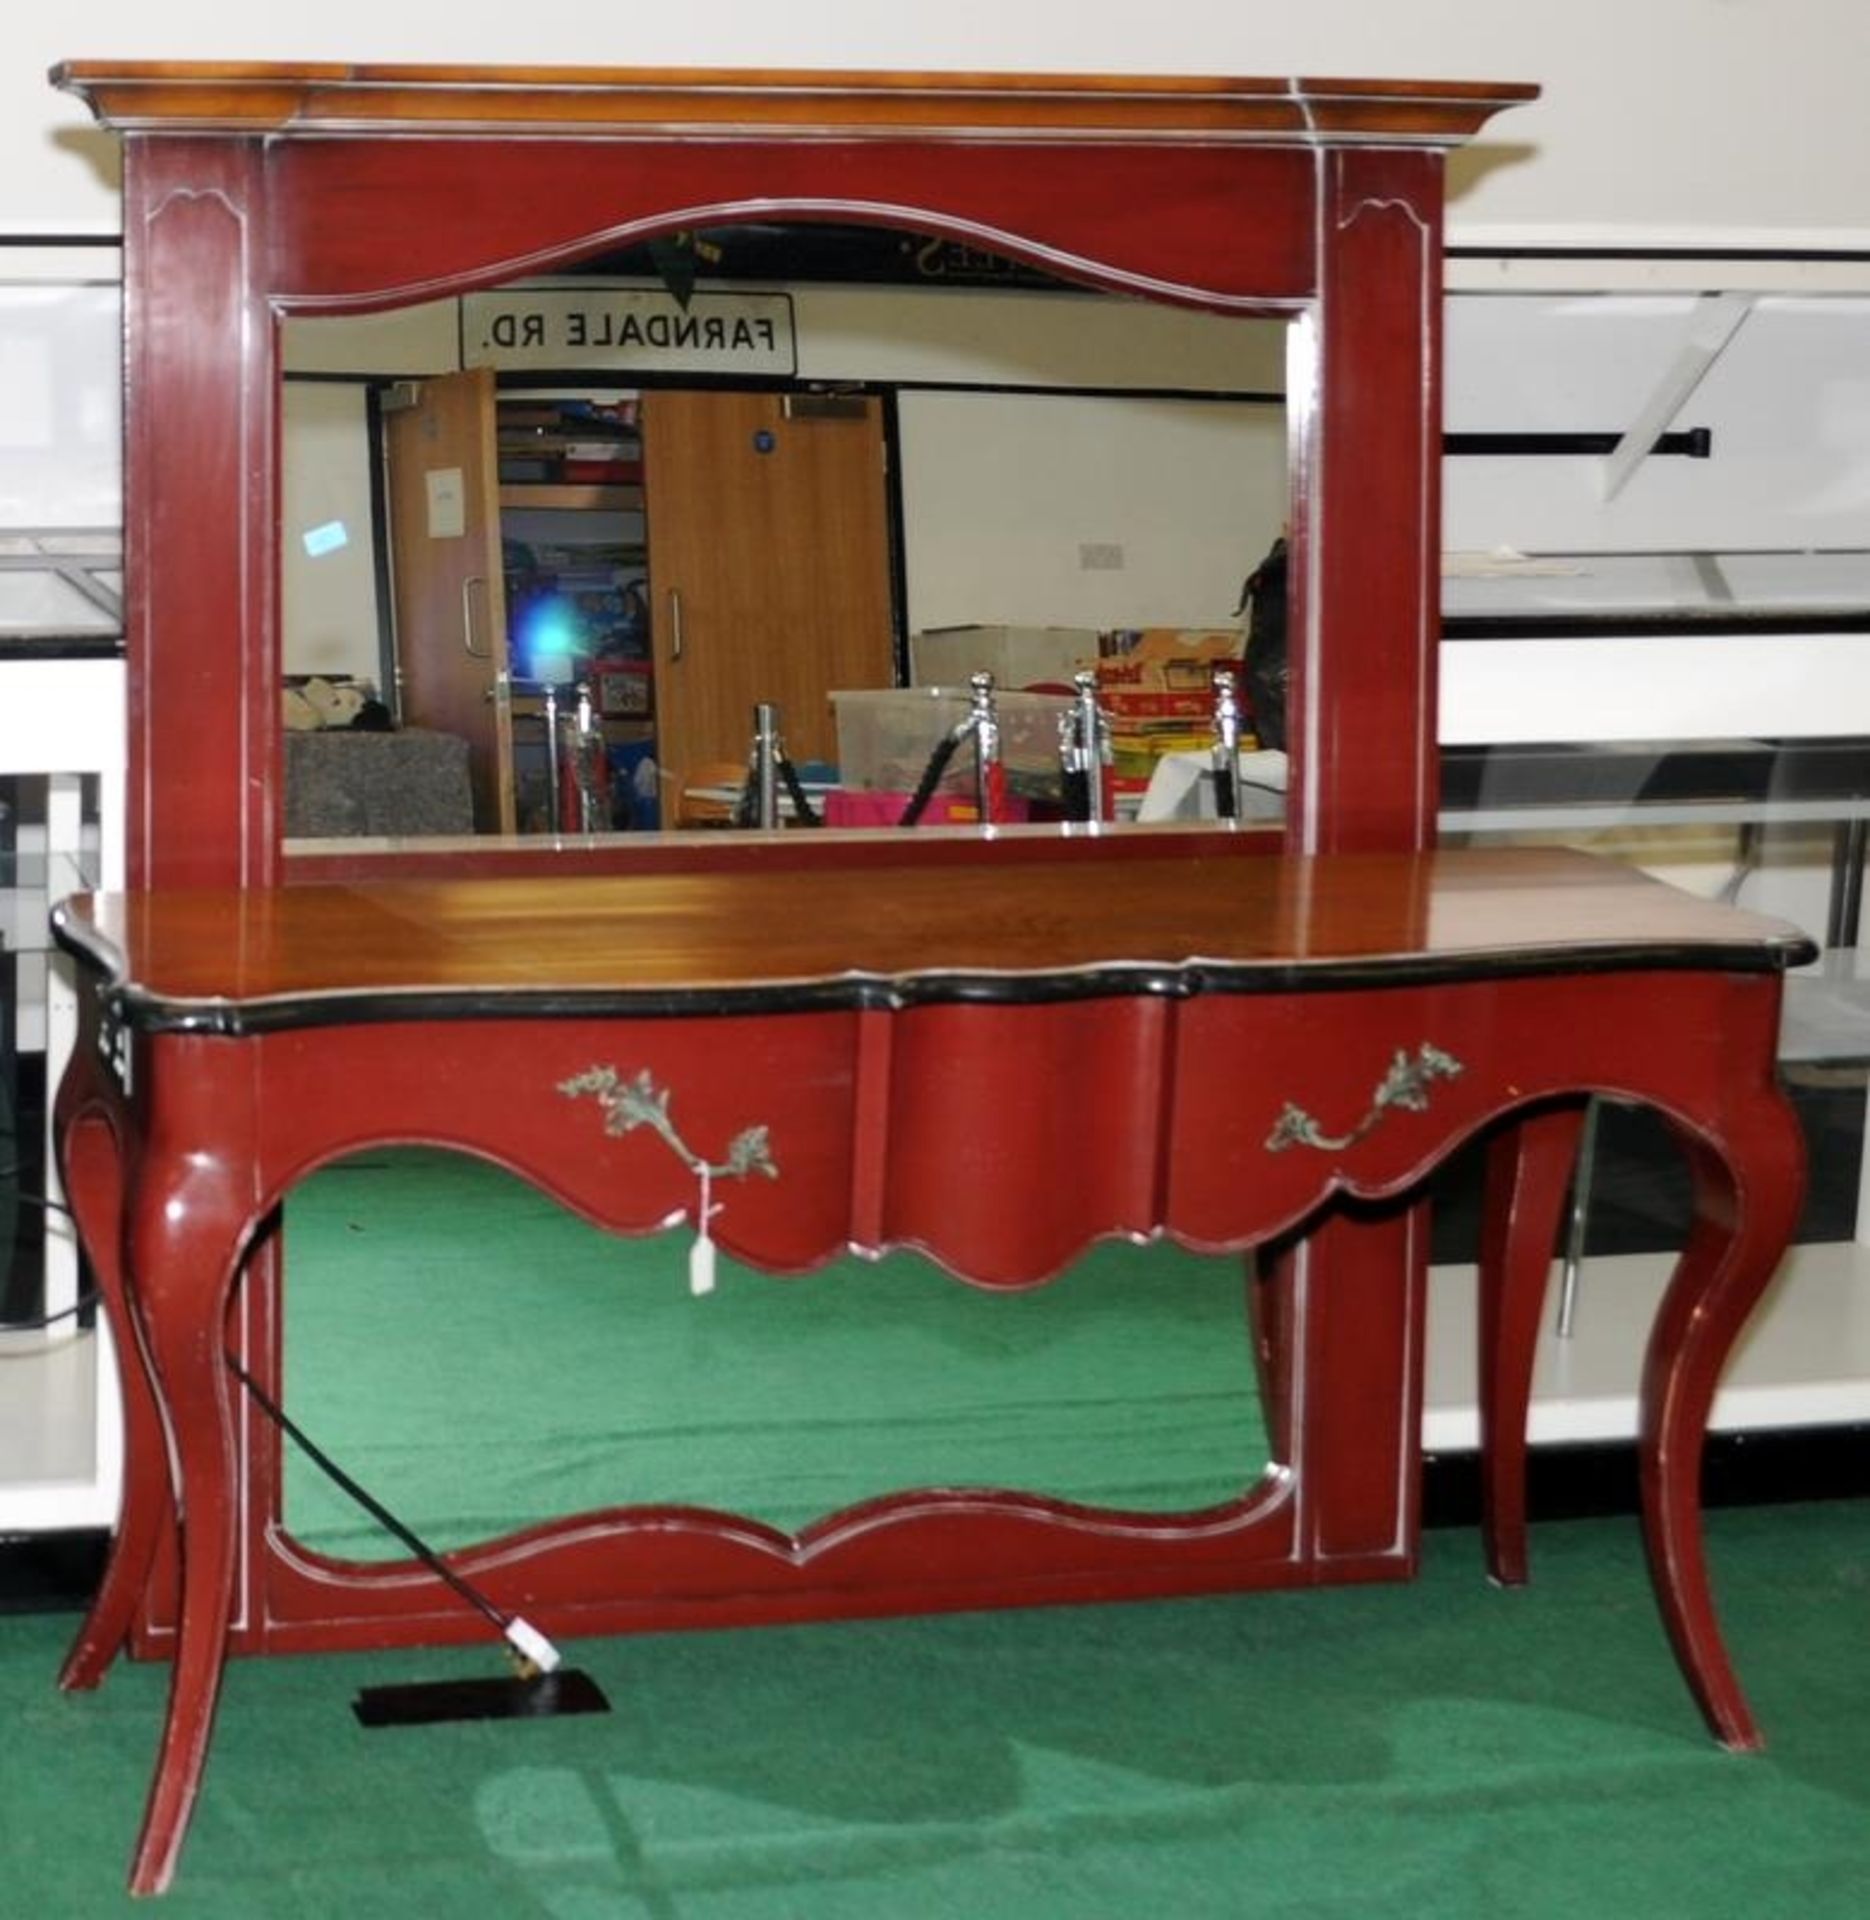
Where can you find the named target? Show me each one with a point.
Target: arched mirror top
(1200, 191)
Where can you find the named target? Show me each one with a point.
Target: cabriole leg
(1529, 1168)
(1748, 1191)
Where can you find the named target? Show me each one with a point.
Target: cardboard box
(1157, 686)
(1127, 707)
(1165, 660)
(1015, 656)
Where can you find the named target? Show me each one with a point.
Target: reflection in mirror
(1127, 1384)
(572, 535)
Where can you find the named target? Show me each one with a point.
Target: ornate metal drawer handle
(639, 1102)
(1405, 1085)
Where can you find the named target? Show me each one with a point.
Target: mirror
(977, 466)
(1123, 1386)
(573, 531)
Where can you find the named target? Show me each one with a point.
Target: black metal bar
(1689, 622)
(1692, 443)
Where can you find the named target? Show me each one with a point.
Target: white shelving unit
(1764, 357)
(61, 1433)
(63, 722)
(1803, 1362)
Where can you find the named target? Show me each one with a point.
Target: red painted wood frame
(224, 1036)
(251, 193)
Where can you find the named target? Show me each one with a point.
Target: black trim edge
(226, 1019)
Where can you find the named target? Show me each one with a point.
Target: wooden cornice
(334, 100)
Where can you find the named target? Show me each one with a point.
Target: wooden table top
(892, 935)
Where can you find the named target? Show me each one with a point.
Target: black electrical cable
(40, 1201)
(34, 1199)
(367, 1500)
(85, 1300)
(313, 1452)
(83, 1304)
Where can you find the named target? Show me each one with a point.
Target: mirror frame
(251, 192)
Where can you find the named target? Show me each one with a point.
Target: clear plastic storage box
(886, 736)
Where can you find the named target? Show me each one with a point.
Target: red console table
(1167, 1035)
(253, 193)
(1226, 1037)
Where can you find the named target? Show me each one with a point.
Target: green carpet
(1443, 1750)
(481, 1360)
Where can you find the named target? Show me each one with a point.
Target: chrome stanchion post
(1224, 755)
(554, 809)
(1576, 1223)
(587, 760)
(1084, 749)
(767, 754)
(983, 723)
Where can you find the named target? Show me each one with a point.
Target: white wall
(1062, 510)
(1708, 120)
(327, 549)
(1032, 340)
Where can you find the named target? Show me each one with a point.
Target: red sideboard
(254, 193)
(992, 971)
